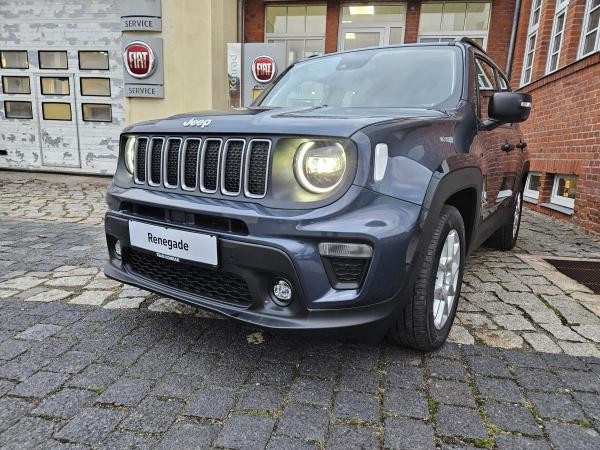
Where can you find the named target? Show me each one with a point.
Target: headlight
(320, 166)
(129, 154)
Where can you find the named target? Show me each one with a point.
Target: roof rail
(469, 41)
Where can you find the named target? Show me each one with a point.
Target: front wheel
(425, 322)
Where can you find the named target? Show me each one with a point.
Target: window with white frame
(534, 23)
(590, 38)
(532, 186)
(563, 191)
(558, 29)
(445, 21)
(300, 27)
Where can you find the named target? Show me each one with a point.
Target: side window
(486, 86)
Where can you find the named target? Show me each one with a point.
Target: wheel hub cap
(447, 280)
(517, 216)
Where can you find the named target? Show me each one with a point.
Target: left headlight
(129, 154)
(319, 167)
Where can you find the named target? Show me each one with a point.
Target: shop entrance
(372, 25)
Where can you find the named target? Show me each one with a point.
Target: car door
(495, 147)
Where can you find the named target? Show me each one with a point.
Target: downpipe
(513, 38)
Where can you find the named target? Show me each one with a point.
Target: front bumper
(284, 244)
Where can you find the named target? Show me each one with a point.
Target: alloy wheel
(446, 280)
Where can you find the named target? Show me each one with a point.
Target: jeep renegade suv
(344, 200)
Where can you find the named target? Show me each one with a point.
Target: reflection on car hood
(315, 121)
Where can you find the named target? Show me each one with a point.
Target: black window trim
(79, 52)
(52, 51)
(16, 51)
(16, 93)
(70, 119)
(96, 104)
(58, 95)
(18, 101)
(94, 78)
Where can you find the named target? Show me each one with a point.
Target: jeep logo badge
(197, 122)
(139, 60)
(264, 69)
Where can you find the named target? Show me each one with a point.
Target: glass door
(59, 134)
(353, 38)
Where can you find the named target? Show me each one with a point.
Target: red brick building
(549, 48)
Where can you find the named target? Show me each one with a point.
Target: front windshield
(407, 77)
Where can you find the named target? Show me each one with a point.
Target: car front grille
(228, 166)
(204, 282)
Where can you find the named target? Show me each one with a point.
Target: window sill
(530, 200)
(559, 208)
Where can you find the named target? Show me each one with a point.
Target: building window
(56, 111)
(590, 39)
(99, 87)
(532, 186)
(93, 60)
(563, 191)
(372, 25)
(14, 59)
(558, 28)
(16, 85)
(534, 23)
(445, 21)
(53, 60)
(55, 85)
(18, 110)
(300, 28)
(96, 112)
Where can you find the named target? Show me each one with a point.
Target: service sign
(264, 69)
(141, 15)
(143, 66)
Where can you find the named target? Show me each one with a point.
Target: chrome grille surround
(209, 165)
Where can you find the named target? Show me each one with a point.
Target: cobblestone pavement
(86, 362)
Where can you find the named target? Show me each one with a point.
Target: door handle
(521, 145)
(507, 147)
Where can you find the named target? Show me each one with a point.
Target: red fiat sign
(139, 59)
(264, 69)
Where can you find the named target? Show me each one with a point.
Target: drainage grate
(584, 272)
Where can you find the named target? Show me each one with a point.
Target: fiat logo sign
(264, 69)
(139, 59)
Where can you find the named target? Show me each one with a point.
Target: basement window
(532, 187)
(563, 191)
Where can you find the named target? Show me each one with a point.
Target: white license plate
(174, 244)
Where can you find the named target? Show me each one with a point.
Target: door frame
(380, 30)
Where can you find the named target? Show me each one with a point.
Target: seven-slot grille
(230, 166)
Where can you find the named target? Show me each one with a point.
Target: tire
(416, 326)
(505, 237)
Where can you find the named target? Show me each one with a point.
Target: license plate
(172, 244)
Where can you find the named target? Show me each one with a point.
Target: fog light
(282, 290)
(345, 250)
(118, 248)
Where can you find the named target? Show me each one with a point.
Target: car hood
(311, 121)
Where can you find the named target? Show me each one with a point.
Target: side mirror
(508, 107)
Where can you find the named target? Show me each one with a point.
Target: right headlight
(320, 166)
(129, 154)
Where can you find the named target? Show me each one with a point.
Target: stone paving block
(482, 365)
(319, 366)
(29, 432)
(71, 362)
(6, 386)
(408, 377)
(12, 410)
(68, 281)
(513, 322)
(501, 390)
(460, 422)
(556, 406)
(11, 348)
(126, 392)
(356, 406)
(538, 380)
(211, 402)
(591, 332)
(562, 332)
(310, 390)
(173, 385)
(524, 359)
(21, 367)
(39, 384)
(359, 380)
(451, 393)
(288, 443)
(65, 404)
(125, 303)
(304, 422)
(96, 376)
(344, 437)
(445, 368)
(92, 298)
(188, 435)
(580, 349)
(118, 440)
(589, 402)
(246, 432)
(511, 442)
(567, 437)
(499, 338)
(262, 397)
(408, 434)
(541, 343)
(21, 283)
(152, 415)
(406, 402)
(512, 418)
(460, 335)
(579, 380)
(90, 426)
(39, 332)
(50, 295)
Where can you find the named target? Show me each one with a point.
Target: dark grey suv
(344, 200)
